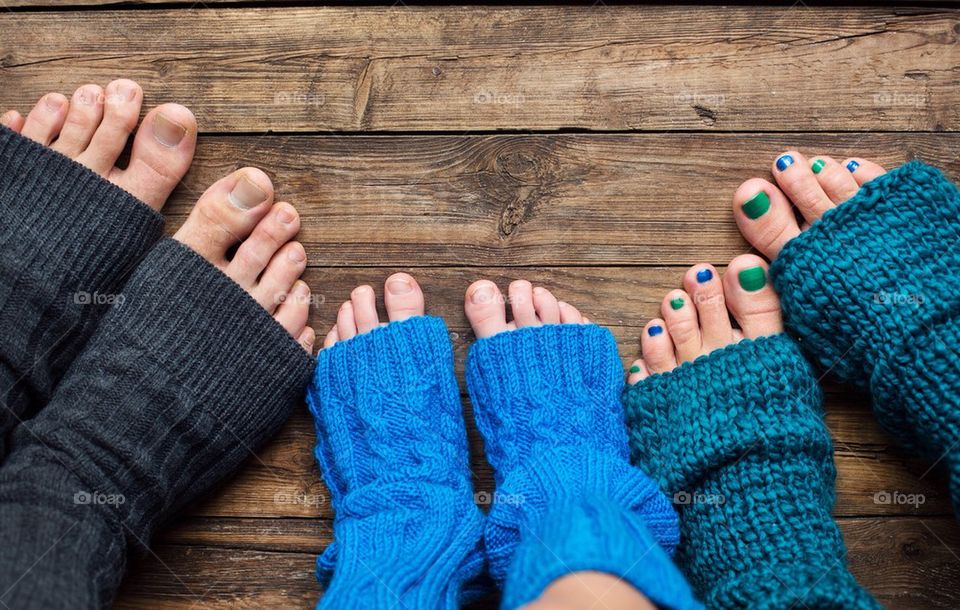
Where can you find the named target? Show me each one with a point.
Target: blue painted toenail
(704, 275)
(784, 162)
(852, 166)
(653, 331)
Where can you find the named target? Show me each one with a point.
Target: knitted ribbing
(68, 241)
(737, 438)
(546, 401)
(870, 291)
(178, 386)
(392, 448)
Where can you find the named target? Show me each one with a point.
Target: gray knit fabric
(68, 241)
(180, 383)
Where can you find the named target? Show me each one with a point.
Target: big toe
(751, 298)
(484, 306)
(162, 152)
(764, 216)
(403, 297)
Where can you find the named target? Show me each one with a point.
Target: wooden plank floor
(592, 149)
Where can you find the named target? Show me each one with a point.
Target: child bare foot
(92, 129)
(402, 297)
(238, 211)
(484, 305)
(696, 320)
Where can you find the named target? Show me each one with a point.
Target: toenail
(704, 276)
(53, 103)
(654, 330)
(285, 215)
(399, 285)
(297, 255)
(784, 162)
(246, 195)
(634, 369)
(301, 289)
(752, 279)
(482, 295)
(756, 206)
(852, 166)
(676, 303)
(817, 166)
(167, 132)
(88, 97)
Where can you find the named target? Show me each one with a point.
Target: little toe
(546, 306)
(45, 120)
(521, 303)
(346, 323)
(657, 348)
(637, 372)
(484, 306)
(364, 300)
(795, 176)
(569, 314)
(12, 120)
(680, 316)
(281, 274)
(274, 231)
(331, 338)
(83, 118)
(863, 170)
(162, 152)
(403, 297)
(751, 298)
(764, 216)
(121, 110)
(834, 179)
(294, 309)
(226, 213)
(307, 338)
(703, 284)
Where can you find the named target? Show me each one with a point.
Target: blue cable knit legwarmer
(547, 403)
(737, 438)
(871, 292)
(392, 447)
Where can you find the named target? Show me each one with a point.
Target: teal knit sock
(737, 438)
(547, 404)
(871, 291)
(392, 448)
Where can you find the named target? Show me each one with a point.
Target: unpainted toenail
(166, 131)
(88, 97)
(53, 103)
(482, 295)
(297, 255)
(301, 289)
(246, 195)
(286, 216)
(400, 285)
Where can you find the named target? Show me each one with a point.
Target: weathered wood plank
(526, 200)
(906, 562)
(482, 68)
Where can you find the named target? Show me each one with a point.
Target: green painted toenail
(634, 369)
(817, 166)
(752, 279)
(676, 303)
(757, 206)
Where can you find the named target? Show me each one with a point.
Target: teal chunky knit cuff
(546, 401)
(392, 448)
(870, 290)
(738, 440)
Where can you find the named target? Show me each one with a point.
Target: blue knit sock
(547, 403)
(392, 448)
(871, 291)
(737, 438)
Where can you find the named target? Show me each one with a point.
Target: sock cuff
(76, 222)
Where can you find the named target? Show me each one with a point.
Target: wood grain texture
(482, 68)
(528, 200)
(907, 563)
